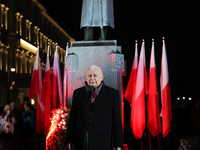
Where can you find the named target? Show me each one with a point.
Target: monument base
(93, 53)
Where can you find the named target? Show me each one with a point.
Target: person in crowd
(195, 118)
(14, 111)
(1, 109)
(21, 106)
(184, 119)
(20, 124)
(29, 120)
(6, 124)
(95, 118)
(97, 14)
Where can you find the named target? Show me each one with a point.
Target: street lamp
(12, 69)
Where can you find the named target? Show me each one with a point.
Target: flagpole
(36, 113)
(148, 121)
(157, 120)
(36, 121)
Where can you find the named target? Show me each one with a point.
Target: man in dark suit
(95, 117)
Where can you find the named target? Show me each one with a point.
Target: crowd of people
(186, 119)
(17, 122)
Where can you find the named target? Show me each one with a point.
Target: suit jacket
(105, 125)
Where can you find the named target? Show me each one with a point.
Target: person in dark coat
(102, 111)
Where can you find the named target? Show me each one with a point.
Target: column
(26, 63)
(29, 30)
(6, 17)
(17, 61)
(1, 58)
(21, 61)
(41, 39)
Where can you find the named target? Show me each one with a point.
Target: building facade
(24, 24)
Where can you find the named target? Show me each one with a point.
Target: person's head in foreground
(94, 76)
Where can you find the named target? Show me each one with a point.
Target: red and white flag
(153, 121)
(130, 89)
(47, 93)
(166, 112)
(65, 82)
(12, 85)
(35, 93)
(138, 110)
(57, 82)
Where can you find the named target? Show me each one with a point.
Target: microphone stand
(88, 124)
(90, 90)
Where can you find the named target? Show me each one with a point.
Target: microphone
(90, 91)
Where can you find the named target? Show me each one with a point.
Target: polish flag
(57, 82)
(130, 89)
(138, 110)
(47, 94)
(65, 82)
(166, 112)
(153, 121)
(35, 93)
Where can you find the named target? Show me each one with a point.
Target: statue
(97, 13)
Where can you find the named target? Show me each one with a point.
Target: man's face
(93, 77)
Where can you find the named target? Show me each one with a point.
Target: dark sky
(177, 21)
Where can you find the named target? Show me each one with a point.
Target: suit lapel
(100, 95)
(85, 93)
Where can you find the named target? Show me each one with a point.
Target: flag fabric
(47, 94)
(138, 110)
(65, 82)
(12, 85)
(153, 121)
(57, 82)
(35, 93)
(130, 89)
(166, 112)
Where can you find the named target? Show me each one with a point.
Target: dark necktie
(94, 96)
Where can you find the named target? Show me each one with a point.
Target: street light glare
(12, 69)
(32, 101)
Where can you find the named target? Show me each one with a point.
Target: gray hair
(95, 67)
(12, 104)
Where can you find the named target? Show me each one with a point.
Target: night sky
(177, 21)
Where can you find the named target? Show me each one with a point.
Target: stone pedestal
(83, 54)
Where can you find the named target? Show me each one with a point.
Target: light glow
(178, 98)
(28, 46)
(32, 102)
(12, 69)
(183, 97)
(189, 98)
